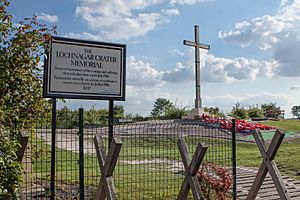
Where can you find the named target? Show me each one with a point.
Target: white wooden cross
(198, 46)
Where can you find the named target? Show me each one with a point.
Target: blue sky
(254, 56)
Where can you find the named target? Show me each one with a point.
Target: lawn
(151, 178)
(287, 158)
(285, 124)
(144, 169)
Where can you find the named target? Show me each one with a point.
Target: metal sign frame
(78, 45)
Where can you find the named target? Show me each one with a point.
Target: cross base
(196, 113)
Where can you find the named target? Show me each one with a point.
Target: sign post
(81, 69)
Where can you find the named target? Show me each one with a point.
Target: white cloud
(85, 36)
(117, 19)
(226, 101)
(140, 99)
(187, 2)
(267, 30)
(279, 33)
(140, 73)
(47, 18)
(287, 56)
(124, 19)
(264, 32)
(283, 2)
(218, 69)
(170, 12)
(176, 52)
(295, 87)
(179, 74)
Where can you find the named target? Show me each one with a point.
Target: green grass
(287, 158)
(140, 181)
(285, 124)
(153, 181)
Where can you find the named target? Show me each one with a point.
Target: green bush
(239, 112)
(10, 167)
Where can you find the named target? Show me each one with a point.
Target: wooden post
(24, 156)
(107, 163)
(268, 165)
(191, 168)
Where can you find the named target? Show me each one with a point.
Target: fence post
(53, 137)
(110, 121)
(233, 159)
(24, 156)
(81, 155)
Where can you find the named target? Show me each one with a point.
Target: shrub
(239, 112)
(10, 167)
(214, 181)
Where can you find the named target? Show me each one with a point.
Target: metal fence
(149, 165)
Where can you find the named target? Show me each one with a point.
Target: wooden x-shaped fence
(191, 168)
(107, 163)
(268, 165)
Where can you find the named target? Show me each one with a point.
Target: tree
(255, 112)
(176, 113)
(67, 118)
(118, 111)
(214, 111)
(165, 108)
(271, 110)
(21, 47)
(161, 107)
(238, 112)
(21, 102)
(296, 111)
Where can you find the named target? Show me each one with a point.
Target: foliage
(21, 102)
(67, 118)
(21, 47)
(271, 110)
(214, 111)
(255, 112)
(296, 111)
(165, 108)
(214, 178)
(119, 111)
(238, 112)
(175, 113)
(161, 107)
(266, 110)
(10, 167)
(136, 117)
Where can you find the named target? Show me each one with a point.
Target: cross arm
(193, 44)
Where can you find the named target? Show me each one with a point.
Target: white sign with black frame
(80, 69)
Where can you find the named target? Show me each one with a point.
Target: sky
(254, 56)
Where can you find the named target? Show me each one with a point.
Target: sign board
(79, 69)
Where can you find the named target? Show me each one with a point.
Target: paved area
(268, 190)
